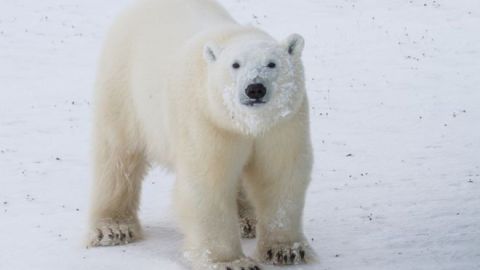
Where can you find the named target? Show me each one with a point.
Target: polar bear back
(162, 24)
(177, 19)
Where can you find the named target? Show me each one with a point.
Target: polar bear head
(255, 83)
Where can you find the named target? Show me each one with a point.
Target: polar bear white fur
(181, 84)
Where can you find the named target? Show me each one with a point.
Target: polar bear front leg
(205, 198)
(277, 181)
(117, 183)
(279, 203)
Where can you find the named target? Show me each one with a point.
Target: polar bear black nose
(256, 91)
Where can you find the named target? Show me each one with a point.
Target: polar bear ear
(294, 44)
(211, 52)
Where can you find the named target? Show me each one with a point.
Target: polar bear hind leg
(246, 214)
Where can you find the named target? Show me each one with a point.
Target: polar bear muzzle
(255, 92)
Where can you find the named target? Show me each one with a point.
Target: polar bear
(182, 85)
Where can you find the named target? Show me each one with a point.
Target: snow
(394, 95)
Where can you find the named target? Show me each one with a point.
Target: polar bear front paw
(241, 264)
(287, 254)
(111, 233)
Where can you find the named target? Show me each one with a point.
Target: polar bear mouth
(254, 102)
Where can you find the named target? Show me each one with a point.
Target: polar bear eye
(271, 65)
(236, 65)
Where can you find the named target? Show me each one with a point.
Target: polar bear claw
(113, 233)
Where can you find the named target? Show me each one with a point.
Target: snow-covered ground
(395, 104)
